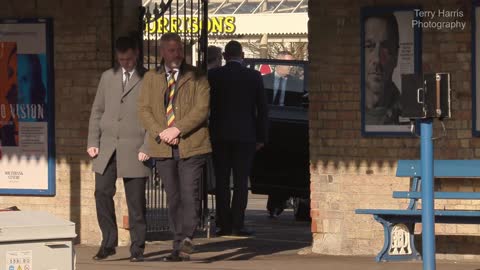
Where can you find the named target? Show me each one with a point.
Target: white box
(35, 240)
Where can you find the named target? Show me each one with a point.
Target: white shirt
(130, 74)
(167, 70)
(281, 88)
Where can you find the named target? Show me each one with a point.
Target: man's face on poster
(381, 54)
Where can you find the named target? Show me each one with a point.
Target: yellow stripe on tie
(171, 94)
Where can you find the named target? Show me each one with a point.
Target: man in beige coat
(116, 144)
(173, 107)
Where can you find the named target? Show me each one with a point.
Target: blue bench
(399, 224)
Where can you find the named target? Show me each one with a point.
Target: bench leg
(399, 242)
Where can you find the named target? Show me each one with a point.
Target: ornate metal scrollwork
(400, 237)
(157, 11)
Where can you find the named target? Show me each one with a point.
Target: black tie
(276, 100)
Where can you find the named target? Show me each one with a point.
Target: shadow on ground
(272, 236)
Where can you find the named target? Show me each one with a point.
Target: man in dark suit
(238, 127)
(281, 87)
(116, 145)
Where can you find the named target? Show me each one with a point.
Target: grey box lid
(33, 225)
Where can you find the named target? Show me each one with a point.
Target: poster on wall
(390, 47)
(27, 161)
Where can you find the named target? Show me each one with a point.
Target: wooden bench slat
(441, 167)
(438, 195)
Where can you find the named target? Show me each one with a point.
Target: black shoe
(137, 258)
(222, 232)
(274, 213)
(176, 257)
(243, 232)
(103, 253)
(187, 246)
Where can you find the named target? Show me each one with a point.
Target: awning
(238, 24)
(259, 24)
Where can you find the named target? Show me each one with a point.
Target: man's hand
(259, 146)
(142, 156)
(92, 151)
(169, 134)
(175, 141)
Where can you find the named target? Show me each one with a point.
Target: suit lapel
(160, 82)
(131, 83)
(118, 81)
(183, 78)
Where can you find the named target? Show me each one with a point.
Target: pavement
(281, 244)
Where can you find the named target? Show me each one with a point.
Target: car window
(284, 82)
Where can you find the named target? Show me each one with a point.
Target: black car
(281, 168)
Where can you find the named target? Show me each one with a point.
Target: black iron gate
(188, 18)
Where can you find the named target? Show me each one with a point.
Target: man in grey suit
(116, 144)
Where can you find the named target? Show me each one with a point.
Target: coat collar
(186, 72)
(133, 81)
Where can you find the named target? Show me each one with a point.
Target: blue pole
(428, 218)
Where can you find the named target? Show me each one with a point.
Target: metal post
(204, 36)
(428, 218)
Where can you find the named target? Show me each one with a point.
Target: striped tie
(171, 95)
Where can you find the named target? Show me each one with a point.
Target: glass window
(228, 8)
(287, 6)
(284, 84)
(271, 5)
(303, 7)
(188, 9)
(268, 6)
(180, 9)
(247, 7)
(213, 6)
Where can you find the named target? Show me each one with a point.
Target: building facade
(350, 170)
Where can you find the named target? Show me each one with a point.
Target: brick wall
(82, 50)
(350, 171)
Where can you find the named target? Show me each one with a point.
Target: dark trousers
(228, 157)
(181, 178)
(277, 200)
(135, 193)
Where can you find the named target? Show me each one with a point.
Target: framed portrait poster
(27, 158)
(390, 47)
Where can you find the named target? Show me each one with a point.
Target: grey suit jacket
(114, 125)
